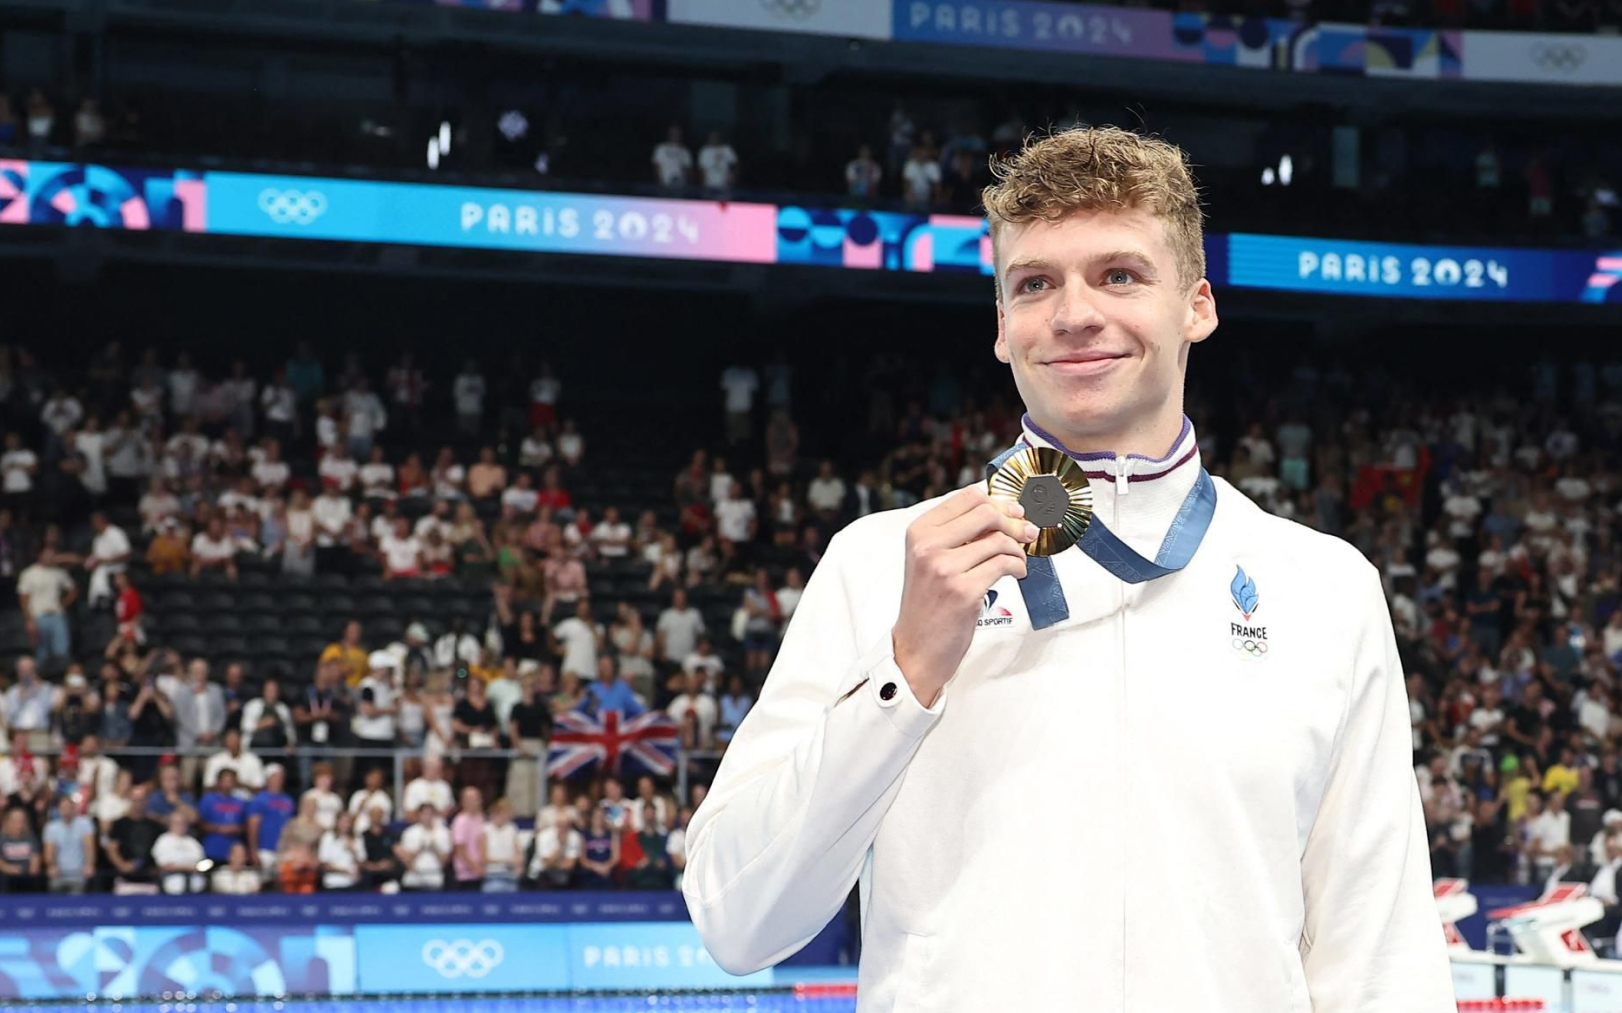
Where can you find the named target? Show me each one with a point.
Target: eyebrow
(1136, 257)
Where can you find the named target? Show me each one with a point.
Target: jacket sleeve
(779, 840)
(1372, 940)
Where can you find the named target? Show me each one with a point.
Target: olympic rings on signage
(296, 207)
(462, 957)
(1255, 648)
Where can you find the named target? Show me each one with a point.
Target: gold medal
(1053, 489)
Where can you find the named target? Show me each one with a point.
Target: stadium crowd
(908, 155)
(131, 765)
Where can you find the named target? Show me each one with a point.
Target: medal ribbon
(1044, 598)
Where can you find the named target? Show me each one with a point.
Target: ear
(1202, 314)
(1001, 347)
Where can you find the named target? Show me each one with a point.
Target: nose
(1076, 310)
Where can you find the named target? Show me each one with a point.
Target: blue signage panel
(1396, 270)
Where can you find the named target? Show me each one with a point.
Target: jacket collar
(1136, 495)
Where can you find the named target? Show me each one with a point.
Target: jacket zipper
(1122, 486)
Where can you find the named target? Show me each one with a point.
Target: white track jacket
(1136, 810)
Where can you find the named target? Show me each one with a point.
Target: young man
(1240, 696)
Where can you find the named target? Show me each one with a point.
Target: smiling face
(1096, 324)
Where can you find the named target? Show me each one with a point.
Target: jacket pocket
(912, 991)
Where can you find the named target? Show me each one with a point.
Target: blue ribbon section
(1044, 598)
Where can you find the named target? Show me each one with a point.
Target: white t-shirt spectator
(210, 549)
(17, 466)
(920, 177)
(279, 402)
(234, 881)
(710, 665)
(271, 474)
(704, 709)
(381, 692)
(331, 514)
(520, 499)
(1552, 829)
(339, 472)
(733, 518)
(250, 769)
(377, 480)
(427, 870)
(673, 162)
(361, 804)
(826, 493)
(681, 630)
(176, 849)
(613, 539)
(716, 162)
(740, 383)
(340, 857)
(579, 640)
(62, 413)
(401, 555)
(549, 842)
(435, 793)
(501, 847)
(534, 452)
(44, 586)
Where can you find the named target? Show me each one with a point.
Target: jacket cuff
(888, 688)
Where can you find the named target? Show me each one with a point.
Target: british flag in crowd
(579, 740)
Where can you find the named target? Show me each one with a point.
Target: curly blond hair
(1100, 168)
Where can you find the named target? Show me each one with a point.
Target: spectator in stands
(267, 721)
(341, 854)
(109, 554)
(199, 707)
(328, 803)
(579, 638)
(704, 662)
(266, 815)
(430, 788)
(921, 179)
(672, 161)
(46, 592)
(649, 802)
(28, 704)
(690, 699)
(381, 868)
(467, 839)
(350, 654)
(297, 860)
(424, 850)
(555, 852)
(249, 769)
(678, 629)
(177, 857)
(529, 727)
(863, 174)
(733, 706)
(69, 848)
(370, 798)
(608, 692)
(129, 840)
(718, 165)
(171, 796)
(652, 870)
(599, 854)
(221, 816)
(235, 877)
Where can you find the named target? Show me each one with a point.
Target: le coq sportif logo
(463, 958)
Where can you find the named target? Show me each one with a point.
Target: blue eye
(1126, 276)
(1024, 286)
